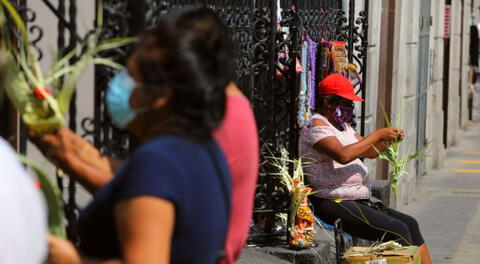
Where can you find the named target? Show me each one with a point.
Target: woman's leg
(362, 221)
(414, 231)
(410, 222)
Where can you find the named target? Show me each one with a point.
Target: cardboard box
(409, 255)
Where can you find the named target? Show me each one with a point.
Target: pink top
(238, 138)
(332, 179)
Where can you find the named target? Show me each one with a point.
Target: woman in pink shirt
(332, 149)
(238, 138)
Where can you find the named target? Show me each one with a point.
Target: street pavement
(447, 205)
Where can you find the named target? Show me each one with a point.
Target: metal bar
(61, 46)
(97, 112)
(71, 207)
(22, 138)
(268, 74)
(365, 66)
(339, 242)
(293, 94)
(61, 18)
(293, 82)
(351, 31)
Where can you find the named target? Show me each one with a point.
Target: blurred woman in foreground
(173, 194)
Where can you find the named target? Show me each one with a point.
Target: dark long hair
(320, 100)
(190, 54)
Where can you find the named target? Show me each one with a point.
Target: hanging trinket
(302, 97)
(312, 64)
(353, 75)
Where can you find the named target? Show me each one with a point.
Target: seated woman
(170, 202)
(332, 148)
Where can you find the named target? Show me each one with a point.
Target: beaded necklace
(303, 93)
(313, 62)
(306, 98)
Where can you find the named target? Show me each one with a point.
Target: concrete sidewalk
(447, 206)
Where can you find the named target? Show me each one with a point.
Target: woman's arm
(75, 156)
(145, 229)
(345, 154)
(144, 226)
(372, 152)
(380, 146)
(90, 177)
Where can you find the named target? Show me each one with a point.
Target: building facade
(419, 73)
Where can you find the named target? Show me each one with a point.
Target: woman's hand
(385, 137)
(76, 156)
(62, 251)
(58, 147)
(64, 145)
(390, 134)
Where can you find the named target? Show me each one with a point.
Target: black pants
(364, 221)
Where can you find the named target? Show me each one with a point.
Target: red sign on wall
(447, 22)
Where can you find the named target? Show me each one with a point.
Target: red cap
(339, 85)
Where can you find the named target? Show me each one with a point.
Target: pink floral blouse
(331, 179)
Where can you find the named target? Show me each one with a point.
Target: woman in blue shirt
(170, 202)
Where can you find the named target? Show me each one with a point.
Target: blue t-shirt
(193, 176)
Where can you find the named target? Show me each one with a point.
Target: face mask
(343, 114)
(117, 98)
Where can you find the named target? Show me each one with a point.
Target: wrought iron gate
(254, 27)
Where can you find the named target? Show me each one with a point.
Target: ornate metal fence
(268, 80)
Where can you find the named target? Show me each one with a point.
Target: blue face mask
(117, 98)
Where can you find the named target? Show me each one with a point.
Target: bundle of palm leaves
(376, 248)
(43, 99)
(397, 160)
(53, 198)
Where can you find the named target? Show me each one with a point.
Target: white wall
(434, 129)
(404, 90)
(373, 60)
(465, 64)
(454, 74)
(458, 69)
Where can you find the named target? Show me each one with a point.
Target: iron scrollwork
(266, 79)
(267, 50)
(357, 46)
(36, 32)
